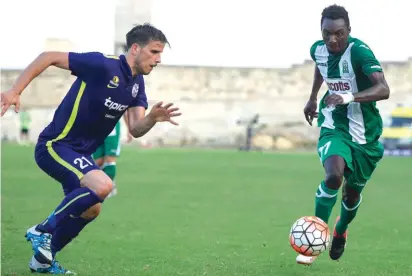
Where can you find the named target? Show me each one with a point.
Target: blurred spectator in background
(250, 126)
(25, 121)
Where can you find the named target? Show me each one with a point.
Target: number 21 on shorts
(82, 162)
(323, 150)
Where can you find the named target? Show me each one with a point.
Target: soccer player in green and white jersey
(350, 123)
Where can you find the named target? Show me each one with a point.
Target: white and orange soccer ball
(309, 236)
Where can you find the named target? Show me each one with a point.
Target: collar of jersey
(126, 68)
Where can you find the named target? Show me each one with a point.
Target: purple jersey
(96, 101)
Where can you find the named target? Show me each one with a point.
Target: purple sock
(66, 232)
(75, 203)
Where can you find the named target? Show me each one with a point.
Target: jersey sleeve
(141, 99)
(313, 49)
(365, 60)
(87, 65)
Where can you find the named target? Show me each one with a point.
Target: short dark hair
(335, 12)
(143, 34)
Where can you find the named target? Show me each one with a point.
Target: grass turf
(197, 212)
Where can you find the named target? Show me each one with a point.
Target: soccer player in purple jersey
(106, 86)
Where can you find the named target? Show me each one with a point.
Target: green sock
(325, 200)
(346, 216)
(110, 169)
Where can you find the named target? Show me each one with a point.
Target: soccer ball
(309, 236)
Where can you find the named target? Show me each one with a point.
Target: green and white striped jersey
(348, 73)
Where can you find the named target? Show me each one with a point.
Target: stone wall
(214, 99)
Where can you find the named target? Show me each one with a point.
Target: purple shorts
(63, 164)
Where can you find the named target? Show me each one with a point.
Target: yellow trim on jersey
(112, 56)
(73, 115)
(65, 131)
(59, 160)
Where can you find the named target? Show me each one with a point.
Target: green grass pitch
(198, 212)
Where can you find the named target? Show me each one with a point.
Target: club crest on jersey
(135, 90)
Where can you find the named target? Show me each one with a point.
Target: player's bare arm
(311, 106)
(126, 120)
(379, 91)
(139, 124)
(41, 63)
(134, 115)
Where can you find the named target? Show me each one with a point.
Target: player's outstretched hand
(8, 99)
(165, 113)
(310, 111)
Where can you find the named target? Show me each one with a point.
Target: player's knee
(104, 188)
(99, 162)
(351, 202)
(109, 159)
(333, 180)
(98, 182)
(350, 197)
(92, 212)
